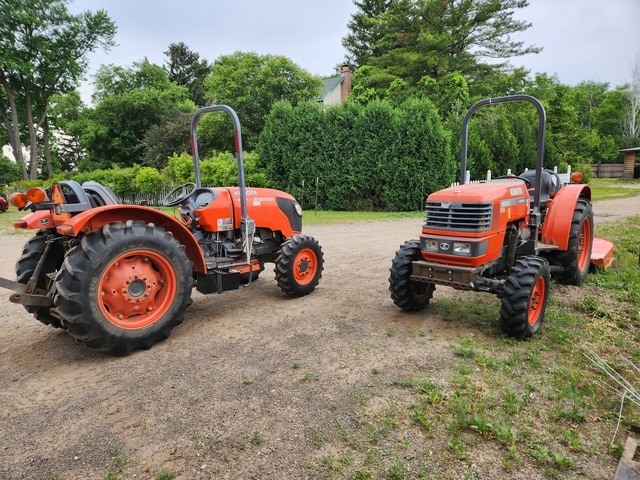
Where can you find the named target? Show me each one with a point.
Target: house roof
(330, 84)
(634, 149)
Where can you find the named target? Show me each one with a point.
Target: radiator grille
(469, 217)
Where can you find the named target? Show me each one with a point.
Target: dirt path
(244, 388)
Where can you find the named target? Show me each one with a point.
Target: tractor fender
(96, 218)
(557, 222)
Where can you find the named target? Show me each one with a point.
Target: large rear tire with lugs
(525, 296)
(576, 259)
(26, 265)
(299, 265)
(124, 287)
(408, 294)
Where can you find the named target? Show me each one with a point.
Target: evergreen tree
(365, 31)
(185, 68)
(411, 39)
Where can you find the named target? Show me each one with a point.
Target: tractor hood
(482, 192)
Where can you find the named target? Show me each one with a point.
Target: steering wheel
(526, 181)
(179, 194)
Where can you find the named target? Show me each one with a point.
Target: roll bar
(542, 119)
(247, 224)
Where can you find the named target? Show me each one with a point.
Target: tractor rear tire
(26, 265)
(576, 259)
(525, 296)
(407, 294)
(299, 265)
(124, 287)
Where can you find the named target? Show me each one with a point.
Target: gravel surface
(241, 389)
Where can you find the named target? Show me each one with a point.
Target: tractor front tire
(124, 287)
(299, 265)
(525, 296)
(26, 265)
(576, 259)
(407, 294)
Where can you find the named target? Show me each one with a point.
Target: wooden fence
(614, 170)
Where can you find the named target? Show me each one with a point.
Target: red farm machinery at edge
(119, 277)
(507, 236)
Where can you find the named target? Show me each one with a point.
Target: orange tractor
(119, 277)
(507, 236)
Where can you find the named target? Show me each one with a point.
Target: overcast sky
(581, 39)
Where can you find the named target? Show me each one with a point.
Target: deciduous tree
(631, 125)
(129, 101)
(251, 84)
(43, 51)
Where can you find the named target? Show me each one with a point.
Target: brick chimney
(345, 87)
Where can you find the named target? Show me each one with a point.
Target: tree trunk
(13, 126)
(33, 135)
(46, 147)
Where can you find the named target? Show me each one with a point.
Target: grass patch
(611, 188)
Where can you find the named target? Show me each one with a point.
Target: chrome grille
(469, 217)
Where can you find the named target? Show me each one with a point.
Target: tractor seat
(549, 183)
(99, 195)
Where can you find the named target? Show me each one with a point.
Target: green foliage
(585, 169)
(409, 39)
(148, 180)
(163, 139)
(365, 28)
(9, 171)
(123, 180)
(185, 68)
(179, 169)
(222, 170)
(251, 84)
(44, 49)
(364, 157)
(129, 103)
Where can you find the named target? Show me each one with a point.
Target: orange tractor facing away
(119, 277)
(508, 237)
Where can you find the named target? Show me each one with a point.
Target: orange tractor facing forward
(119, 277)
(507, 237)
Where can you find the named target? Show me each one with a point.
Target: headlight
(460, 248)
(298, 208)
(430, 245)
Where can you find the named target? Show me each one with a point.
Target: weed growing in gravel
(165, 474)
(256, 439)
(119, 460)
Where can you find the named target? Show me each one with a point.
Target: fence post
(488, 175)
(315, 208)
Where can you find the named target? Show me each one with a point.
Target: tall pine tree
(365, 31)
(412, 39)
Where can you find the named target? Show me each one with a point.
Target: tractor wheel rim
(585, 244)
(137, 289)
(536, 302)
(305, 266)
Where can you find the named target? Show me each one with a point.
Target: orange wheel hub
(585, 245)
(536, 302)
(305, 266)
(136, 289)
